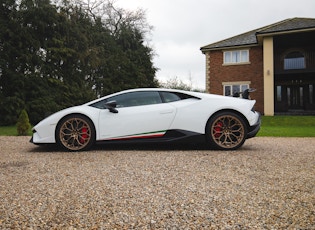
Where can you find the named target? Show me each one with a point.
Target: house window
(294, 60)
(236, 57)
(229, 89)
(279, 93)
(311, 93)
(289, 96)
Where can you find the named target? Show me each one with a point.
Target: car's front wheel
(75, 133)
(226, 131)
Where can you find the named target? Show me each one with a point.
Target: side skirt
(169, 136)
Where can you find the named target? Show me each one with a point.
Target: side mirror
(111, 106)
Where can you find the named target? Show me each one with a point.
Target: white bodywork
(190, 114)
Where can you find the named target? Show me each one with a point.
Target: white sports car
(152, 115)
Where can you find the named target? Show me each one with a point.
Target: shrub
(23, 124)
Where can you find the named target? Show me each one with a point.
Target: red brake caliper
(218, 129)
(84, 134)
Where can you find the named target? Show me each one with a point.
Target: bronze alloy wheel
(226, 131)
(75, 133)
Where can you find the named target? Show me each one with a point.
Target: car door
(140, 115)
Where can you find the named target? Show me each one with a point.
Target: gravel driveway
(267, 184)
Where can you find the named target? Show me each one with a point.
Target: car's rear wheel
(226, 131)
(75, 133)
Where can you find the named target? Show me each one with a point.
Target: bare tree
(114, 18)
(176, 83)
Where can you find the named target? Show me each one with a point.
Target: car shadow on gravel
(152, 146)
(127, 147)
(140, 147)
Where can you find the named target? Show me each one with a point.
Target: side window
(99, 104)
(175, 96)
(136, 99)
(170, 97)
(143, 98)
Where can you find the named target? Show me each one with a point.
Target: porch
(294, 74)
(294, 94)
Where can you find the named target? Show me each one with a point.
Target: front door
(295, 97)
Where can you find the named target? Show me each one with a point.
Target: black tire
(226, 131)
(75, 133)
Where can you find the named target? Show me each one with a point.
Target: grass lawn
(10, 131)
(287, 126)
(277, 126)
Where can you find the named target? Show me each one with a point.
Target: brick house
(277, 60)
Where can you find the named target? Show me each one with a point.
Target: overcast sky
(181, 27)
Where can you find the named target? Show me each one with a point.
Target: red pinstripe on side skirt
(140, 136)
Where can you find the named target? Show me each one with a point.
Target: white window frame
(236, 57)
(241, 84)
